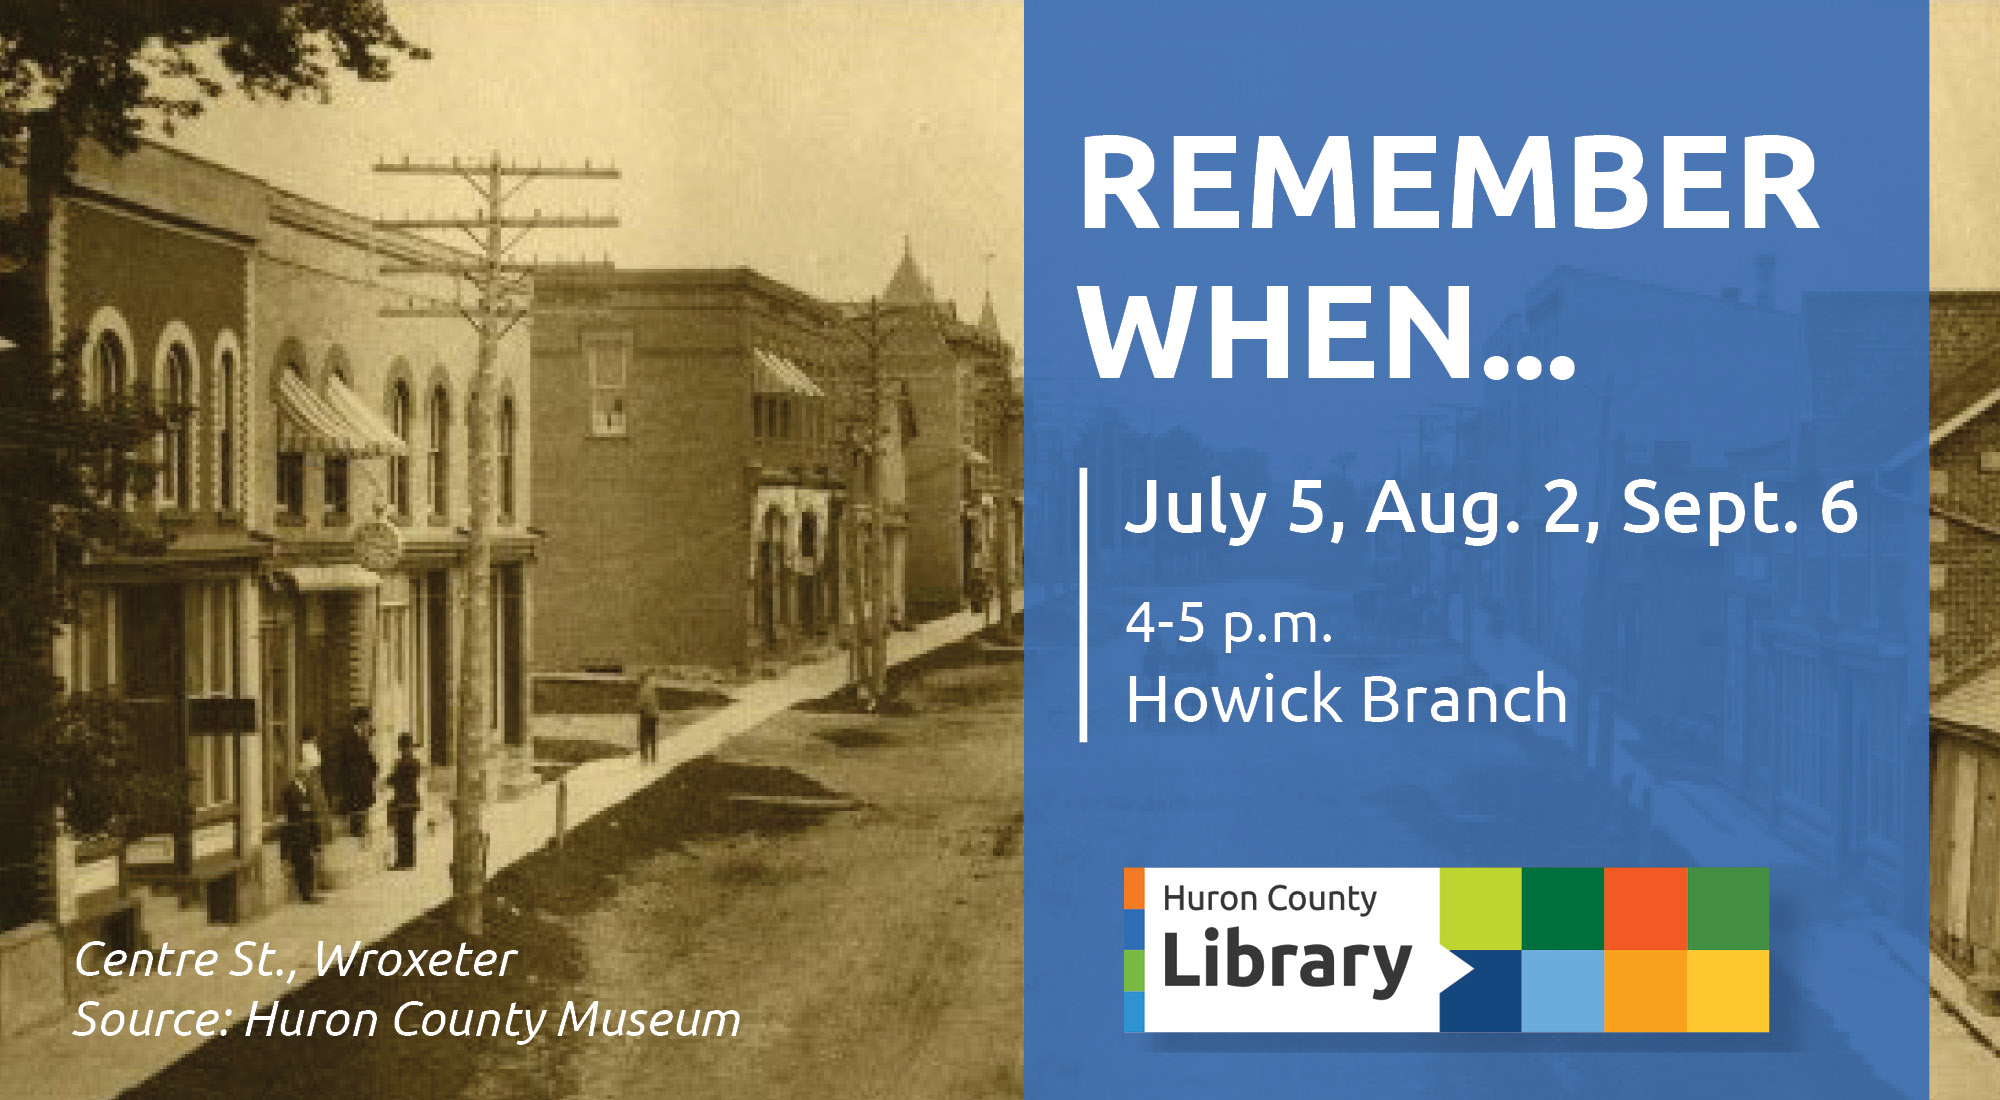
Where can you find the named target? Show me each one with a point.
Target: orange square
(1729, 991)
(1645, 991)
(1135, 887)
(1645, 908)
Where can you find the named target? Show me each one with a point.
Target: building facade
(960, 381)
(694, 440)
(1964, 497)
(312, 509)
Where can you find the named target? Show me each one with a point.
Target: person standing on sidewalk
(359, 771)
(405, 799)
(302, 835)
(649, 719)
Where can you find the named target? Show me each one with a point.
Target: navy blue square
(1135, 929)
(1488, 999)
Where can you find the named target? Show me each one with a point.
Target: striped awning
(336, 424)
(777, 374)
(366, 422)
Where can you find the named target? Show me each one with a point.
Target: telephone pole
(504, 290)
(872, 637)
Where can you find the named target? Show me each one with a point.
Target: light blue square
(1562, 991)
(1135, 1012)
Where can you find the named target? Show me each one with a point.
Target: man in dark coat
(405, 799)
(359, 771)
(302, 835)
(649, 718)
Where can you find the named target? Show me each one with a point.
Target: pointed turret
(907, 286)
(989, 322)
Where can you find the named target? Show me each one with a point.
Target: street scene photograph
(511, 538)
(1964, 585)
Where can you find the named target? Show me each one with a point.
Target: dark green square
(1562, 908)
(1729, 909)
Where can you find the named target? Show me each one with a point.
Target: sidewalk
(66, 1067)
(1847, 956)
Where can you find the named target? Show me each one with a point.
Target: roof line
(1971, 413)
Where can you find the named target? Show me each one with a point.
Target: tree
(77, 72)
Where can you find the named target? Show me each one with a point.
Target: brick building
(1965, 634)
(312, 507)
(960, 380)
(692, 446)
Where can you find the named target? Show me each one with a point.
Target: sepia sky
(801, 139)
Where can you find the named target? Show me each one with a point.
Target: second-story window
(107, 382)
(439, 429)
(399, 465)
(291, 486)
(334, 470)
(505, 451)
(176, 465)
(336, 486)
(606, 361)
(225, 433)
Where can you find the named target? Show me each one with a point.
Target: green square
(1135, 971)
(1729, 909)
(1479, 908)
(1562, 909)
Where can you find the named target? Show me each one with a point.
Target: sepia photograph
(511, 537)
(1964, 535)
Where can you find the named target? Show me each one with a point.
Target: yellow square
(1729, 991)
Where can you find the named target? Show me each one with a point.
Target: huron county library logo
(1456, 949)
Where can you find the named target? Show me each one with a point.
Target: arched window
(506, 455)
(176, 461)
(399, 465)
(225, 433)
(291, 476)
(439, 427)
(334, 467)
(108, 374)
(108, 368)
(809, 535)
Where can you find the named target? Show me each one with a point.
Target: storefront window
(277, 707)
(211, 653)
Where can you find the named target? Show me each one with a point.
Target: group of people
(309, 814)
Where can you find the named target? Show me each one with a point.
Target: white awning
(777, 374)
(336, 424)
(332, 578)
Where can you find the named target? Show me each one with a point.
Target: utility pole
(875, 637)
(504, 297)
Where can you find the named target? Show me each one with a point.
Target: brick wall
(647, 552)
(1965, 489)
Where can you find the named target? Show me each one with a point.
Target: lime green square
(1135, 971)
(1479, 908)
(1729, 909)
(1562, 909)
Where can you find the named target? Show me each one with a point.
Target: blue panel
(1703, 689)
(1488, 999)
(1562, 991)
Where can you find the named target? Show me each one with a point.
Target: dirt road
(850, 885)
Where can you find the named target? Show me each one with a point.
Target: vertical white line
(1083, 603)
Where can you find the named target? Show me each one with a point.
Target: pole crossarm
(471, 268)
(458, 166)
(498, 221)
